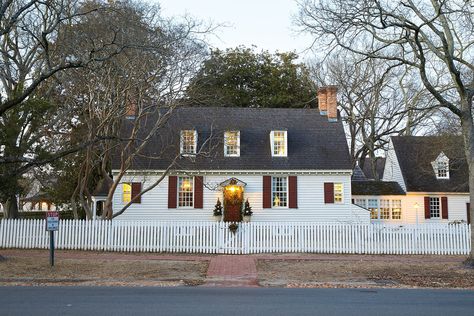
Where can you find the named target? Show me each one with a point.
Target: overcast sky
(266, 24)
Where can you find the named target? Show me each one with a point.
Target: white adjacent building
(425, 180)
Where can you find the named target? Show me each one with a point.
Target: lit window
(373, 207)
(279, 143)
(279, 192)
(434, 207)
(396, 209)
(384, 209)
(338, 192)
(185, 191)
(127, 192)
(188, 142)
(232, 143)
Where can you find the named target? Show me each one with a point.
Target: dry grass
(354, 273)
(34, 270)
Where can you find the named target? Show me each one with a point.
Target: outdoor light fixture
(416, 206)
(232, 188)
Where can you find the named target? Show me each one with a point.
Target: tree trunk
(468, 136)
(11, 208)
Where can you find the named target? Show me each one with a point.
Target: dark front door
(233, 198)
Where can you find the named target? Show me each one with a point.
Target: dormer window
(441, 166)
(279, 143)
(188, 143)
(232, 143)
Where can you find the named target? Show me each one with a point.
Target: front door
(233, 198)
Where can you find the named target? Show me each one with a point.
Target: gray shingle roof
(415, 154)
(379, 165)
(313, 142)
(371, 187)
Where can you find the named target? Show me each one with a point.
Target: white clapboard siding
(253, 237)
(392, 170)
(311, 206)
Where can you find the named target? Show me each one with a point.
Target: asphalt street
(231, 301)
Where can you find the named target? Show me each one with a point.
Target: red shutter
(293, 192)
(444, 207)
(468, 209)
(172, 191)
(267, 191)
(427, 207)
(198, 192)
(328, 192)
(136, 189)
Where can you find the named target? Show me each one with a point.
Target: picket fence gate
(253, 237)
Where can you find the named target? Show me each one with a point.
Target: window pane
(185, 191)
(373, 208)
(338, 192)
(188, 142)
(279, 191)
(279, 143)
(442, 169)
(361, 202)
(434, 207)
(127, 192)
(231, 143)
(384, 209)
(396, 209)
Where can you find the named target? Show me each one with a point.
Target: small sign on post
(52, 225)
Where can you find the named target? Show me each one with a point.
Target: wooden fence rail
(253, 237)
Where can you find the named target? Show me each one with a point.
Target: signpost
(52, 225)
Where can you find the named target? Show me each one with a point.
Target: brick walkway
(232, 271)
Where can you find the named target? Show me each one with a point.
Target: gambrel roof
(415, 156)
(314, 143)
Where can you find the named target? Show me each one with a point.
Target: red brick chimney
(327, 102)
(331, 101)
(322, 101)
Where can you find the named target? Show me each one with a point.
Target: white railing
(254, 237)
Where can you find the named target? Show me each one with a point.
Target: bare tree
(131, 95)
(433, 38)
(374, 102)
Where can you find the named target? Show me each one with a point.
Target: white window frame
(181, 143)
(226, 154)
(342, 193)
(432, 199)
(178, 191)
(384, 204)
(272, 143)
(377, 208)
(445, 169)
(443, 160)
(287, 192)
(361, 202)
(392, 207)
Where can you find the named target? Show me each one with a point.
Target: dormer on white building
(441, 166)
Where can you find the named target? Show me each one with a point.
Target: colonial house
(289, 164)
(425, 180)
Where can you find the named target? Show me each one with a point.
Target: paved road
(231, 301)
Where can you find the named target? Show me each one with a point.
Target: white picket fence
(253, 237)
